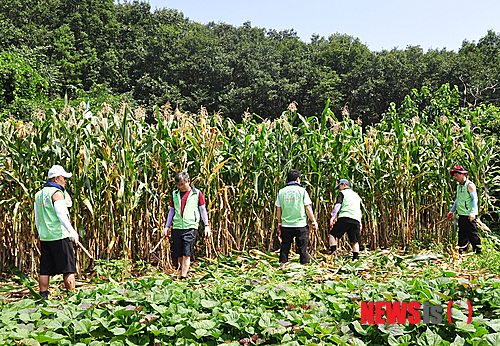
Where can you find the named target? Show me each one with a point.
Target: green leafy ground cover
(245, 299)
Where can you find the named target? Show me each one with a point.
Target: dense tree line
(53, 48)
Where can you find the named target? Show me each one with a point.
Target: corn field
(123, 171)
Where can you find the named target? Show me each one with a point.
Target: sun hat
(342, 181)
(458, 169)
(56, 171)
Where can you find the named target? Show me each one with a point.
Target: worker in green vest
(466, 207)
(55, 231)
(293, 206)
(187, 209)
(346, 218)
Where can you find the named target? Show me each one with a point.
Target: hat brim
(337, 187)
(65, 174)
(458, 171)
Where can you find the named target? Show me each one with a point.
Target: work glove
(279, 227)
(450, 215)
(315, 225)
(73, 236)
(208, 232)
(472, 216)
(166, 232)
(332, 221)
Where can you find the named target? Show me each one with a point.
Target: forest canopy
(113, 52)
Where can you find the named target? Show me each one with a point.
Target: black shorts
(57, 257)
(467, 232)
(183, 242)
(301, 239)
(350, 226)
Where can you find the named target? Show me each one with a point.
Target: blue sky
(380, 24)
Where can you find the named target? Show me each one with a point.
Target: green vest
(49, 226)
(464, 200)
(293, 211)
(191, 216)
(351, 205)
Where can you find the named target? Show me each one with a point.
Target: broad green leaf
(133, 329)
(210, 304)
(457, 315)
(393, 329)
(48, 311)
(55, 324)
(278, 330)
(429, 338)
(465, 327)
(102, 343)
(363, 330)
(448, 273)
(459, 341)
(480, 331)
(118, 331)
(493, 339)
(20, 333)
(83, 326)
(30, 342)
(49, 336)
(405, 340)
(204, 324)
(161, 309)
(199, 333)
(232, 318)
(357, 342)
(494, 324)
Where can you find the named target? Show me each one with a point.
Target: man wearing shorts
(466, 207)
(348, 208)
(55, 231)
(187, 208)
(293, 205)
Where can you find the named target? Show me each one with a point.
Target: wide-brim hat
(458, 169)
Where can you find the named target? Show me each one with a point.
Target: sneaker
(282, 266)
(44, 294)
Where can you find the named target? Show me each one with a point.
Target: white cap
(56, 171)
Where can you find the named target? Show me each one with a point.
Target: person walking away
(348, 212)
(293, 206)
(55, 231)
(187, 207)
(466, 207)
